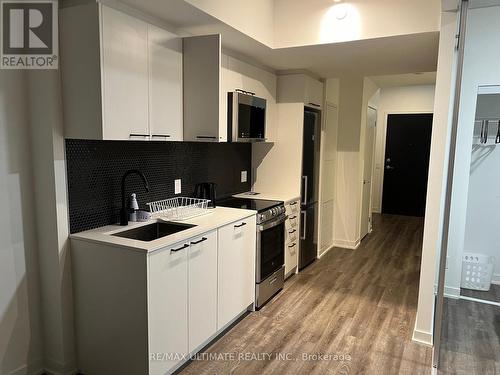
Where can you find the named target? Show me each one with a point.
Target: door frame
(320, 179)
(381, 162)
(372, 167)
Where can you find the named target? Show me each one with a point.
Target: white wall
(347, 200)
(20, 323)
(443, 107)
(406, 99)
(299, 22)
(45, 115)
(254, 18)
(483, 204)
(482, 40)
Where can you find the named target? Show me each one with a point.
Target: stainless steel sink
(153, 231)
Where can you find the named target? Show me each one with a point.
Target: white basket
(477, 271)
(179, 208)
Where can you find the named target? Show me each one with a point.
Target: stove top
(259, 205)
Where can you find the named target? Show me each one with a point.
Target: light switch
(243, 176)
(177, 186)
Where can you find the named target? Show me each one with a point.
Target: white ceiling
(427, 78)
(382, 56)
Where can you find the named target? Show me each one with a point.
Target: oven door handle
(280, 220)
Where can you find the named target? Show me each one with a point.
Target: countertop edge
(101, 236)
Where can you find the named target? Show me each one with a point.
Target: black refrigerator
(309, 192)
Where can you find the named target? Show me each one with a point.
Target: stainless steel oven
(270, 270)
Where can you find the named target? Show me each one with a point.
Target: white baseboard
(496, 279)
(345, 244)
(56, 368)
(34, 368)
(325, 251)
(377, 210)
(422, 337)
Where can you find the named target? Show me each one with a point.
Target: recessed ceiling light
(337, 1)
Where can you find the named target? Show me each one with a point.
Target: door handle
(304, 225)
(304, 179)
(199, 241)
(179, 248)
(135, 135)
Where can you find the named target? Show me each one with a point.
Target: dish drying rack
(178, 208)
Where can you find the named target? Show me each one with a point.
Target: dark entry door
(406, 166)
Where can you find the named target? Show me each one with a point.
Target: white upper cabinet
(124, 75)
(124, 81)
(165, 84)
(300, 88)
(202, 83)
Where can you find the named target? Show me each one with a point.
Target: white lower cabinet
(202, 290)
(292, 239)
(196, 287)
(236, 269)
(145, 313)
(168, 307)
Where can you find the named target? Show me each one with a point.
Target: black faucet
(124, 210)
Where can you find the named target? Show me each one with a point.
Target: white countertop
(287, 198)
(217, 217)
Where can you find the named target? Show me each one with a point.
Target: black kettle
(206, 190)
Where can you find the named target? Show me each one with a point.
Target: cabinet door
(236, 269)
(124, 54)
(202, 289)
(168, 306)
(314, 93)
(201, 72)
(165, 85)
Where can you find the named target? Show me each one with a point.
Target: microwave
(246, 117)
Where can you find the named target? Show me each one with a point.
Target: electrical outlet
(177, 186)
(243, 176)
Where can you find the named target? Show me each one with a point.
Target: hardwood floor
(355, 306)
(471, 338)
(491, 295)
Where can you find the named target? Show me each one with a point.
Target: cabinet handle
(293, 217)
(292, 245)
(161, 135)
(293, 203)
(206, 137)
(240, 225)
(139, 135)
(179, 249)
(199, 241)
(292, 231)
(314, 104)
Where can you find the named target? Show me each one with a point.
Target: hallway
(355, 307)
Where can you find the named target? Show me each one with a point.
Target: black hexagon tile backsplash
(95, 169)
